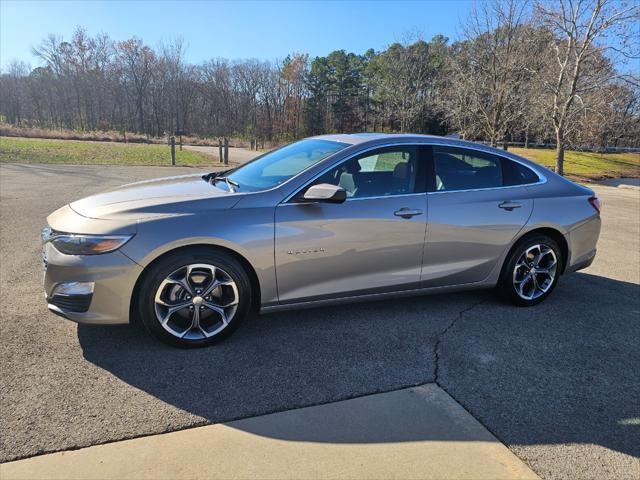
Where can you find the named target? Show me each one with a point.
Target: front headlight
(72, 244)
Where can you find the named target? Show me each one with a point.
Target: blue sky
(240, 29)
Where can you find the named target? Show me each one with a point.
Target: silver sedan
(329, 219)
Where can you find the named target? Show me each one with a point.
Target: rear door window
(464, 169)
(460, 169)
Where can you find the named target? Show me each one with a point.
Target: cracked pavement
(436, 345)
(557, 383)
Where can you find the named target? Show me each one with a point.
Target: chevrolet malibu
(325, 220)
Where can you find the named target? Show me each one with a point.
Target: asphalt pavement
(558, 383)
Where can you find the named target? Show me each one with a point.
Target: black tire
(159, 271)
(506, 285)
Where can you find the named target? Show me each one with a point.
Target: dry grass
(7, 130)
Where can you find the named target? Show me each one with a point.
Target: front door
(373, 242)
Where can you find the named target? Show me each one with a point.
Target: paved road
(236, 155)
(558, 383)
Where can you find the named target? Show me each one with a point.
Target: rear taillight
(595, 203)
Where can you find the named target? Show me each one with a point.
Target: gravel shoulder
(237, 156)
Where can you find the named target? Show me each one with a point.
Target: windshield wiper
(210, 176)
(215, 176)
(230, 183)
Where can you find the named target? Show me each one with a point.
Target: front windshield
(278, 166)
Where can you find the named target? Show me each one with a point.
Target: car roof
(355, 138)
(371, 137)
(374, 139)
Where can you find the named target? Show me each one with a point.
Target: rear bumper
(113, 274)
(582, 242)
(581, 264)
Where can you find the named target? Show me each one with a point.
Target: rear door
(373, 242)
(476, 208)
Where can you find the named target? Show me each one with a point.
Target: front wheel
(531, 271)
(194, 298)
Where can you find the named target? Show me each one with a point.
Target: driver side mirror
(326, 193)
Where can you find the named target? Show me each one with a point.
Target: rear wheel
(194, 298)
(531, 271)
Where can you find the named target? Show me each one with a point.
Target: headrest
(401, 170)
(353, 167)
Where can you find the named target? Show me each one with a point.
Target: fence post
(172, 143)
(220, 158)
(226, 151)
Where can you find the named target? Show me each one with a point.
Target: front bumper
(114, 276)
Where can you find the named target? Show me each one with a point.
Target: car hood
(184, 194)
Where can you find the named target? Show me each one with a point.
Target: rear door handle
(507, 205)
(407, 212)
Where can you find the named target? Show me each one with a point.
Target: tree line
(523, 72)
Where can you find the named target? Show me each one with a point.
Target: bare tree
(137, 60)
(481, 86)
(12, 93)
(585, 33)
(490, 70)
(292, 74)
(612, 115)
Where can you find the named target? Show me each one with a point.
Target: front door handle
(407, 212)
(507, 205)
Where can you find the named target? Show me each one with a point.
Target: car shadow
(522, 372)
(283, 360)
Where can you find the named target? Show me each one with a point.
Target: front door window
(384, 172)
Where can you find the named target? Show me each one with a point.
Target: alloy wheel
(196, 302)
(535, 271)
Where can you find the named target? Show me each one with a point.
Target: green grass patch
(35, 150)
(587, 165)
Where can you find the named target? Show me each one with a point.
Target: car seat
(401, 177)
(347, 178)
